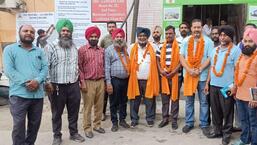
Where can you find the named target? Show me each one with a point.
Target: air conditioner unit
(8, 3)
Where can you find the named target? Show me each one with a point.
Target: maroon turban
(118, 31)
(92, 30)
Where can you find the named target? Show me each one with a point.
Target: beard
(156, 38)
(65, 41)
(183, 33)
(26, 41)
(142, 43)
(93, 43)
(119, 44)
(248, 50)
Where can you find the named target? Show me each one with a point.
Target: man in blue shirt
(26, 67)
(195, 59)
(223, 60)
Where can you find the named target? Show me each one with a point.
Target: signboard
(79, 12)
(41, 20)
(106, 10)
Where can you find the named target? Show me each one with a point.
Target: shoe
(238, 142)
(99, 130)
(206, 131)
(124, 124)
(89, 134)
(236, 129)
(214, 135)
(133, 124)
(77, 137)
(150, 123)
(103, 117)
(163, 123)
(57, 141)
(225, 140)
(187, 128)
(174, 126)
(114, 128)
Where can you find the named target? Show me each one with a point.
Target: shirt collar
(33, 46)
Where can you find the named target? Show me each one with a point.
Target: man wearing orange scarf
(144, 79)
(169, 65)
(194, 57)
(116, 76)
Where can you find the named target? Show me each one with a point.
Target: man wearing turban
(156, 34)
(223, 61)
(143, 79)
(247, 106)
(63, 86)
(116, 76)
(91, 74)
(104, 43)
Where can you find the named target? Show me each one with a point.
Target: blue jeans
(248, 121)
(189, 118)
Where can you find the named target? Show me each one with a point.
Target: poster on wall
(252, 12)
(172, 14)
(79, 12)
(42, 20)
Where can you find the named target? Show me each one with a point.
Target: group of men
(137, 72)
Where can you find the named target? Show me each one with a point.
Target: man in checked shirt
(63, 88)
(116, 76)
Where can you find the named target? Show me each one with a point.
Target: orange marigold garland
(195, 59)
(238, 81)
(219, 74)
(125, 65)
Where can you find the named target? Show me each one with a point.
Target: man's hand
(233, 91)
(83, 86)
(163, 73)
(206, 89)
(171, 74)
(109, 89)
(49, 88)
(252, 104)
(32, 85)
(193, 72)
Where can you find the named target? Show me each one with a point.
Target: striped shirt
(62, 63)
(113, 64)
(91, 63)
(168, 54)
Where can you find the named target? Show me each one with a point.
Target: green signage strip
(202, 2)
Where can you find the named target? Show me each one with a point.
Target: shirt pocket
(37, 61)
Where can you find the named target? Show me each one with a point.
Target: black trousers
(222, 110)
(150, 104)
(20, 108)
(119, 99)
(69, 95)
(168, 103)
(106, 96)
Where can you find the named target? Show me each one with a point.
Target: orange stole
(174, 64)
(152, 86)
(193, 61)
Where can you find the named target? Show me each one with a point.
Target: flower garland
(125, 65)
(195, 59)
(219, 74)
(245, 72)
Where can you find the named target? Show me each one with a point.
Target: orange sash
(152, 86)
(174, 64)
